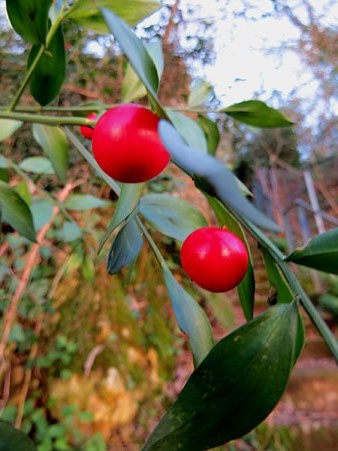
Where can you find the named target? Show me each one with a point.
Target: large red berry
(127, 146)
(214, 258)
(86, 131)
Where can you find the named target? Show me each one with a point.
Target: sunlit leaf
(8, 127)
(132, 87)
(155, 50)
(87, 14)
(16, 212)
(49, 73)
(235, 387)
(189, 130)
(212, 176)
(137, 55)
(200, 94)
(257, 114)
(172, 216)
(55, 145)
(125, 247)
(29, 18)
(321, 252)
(211, 133)
(191, 318)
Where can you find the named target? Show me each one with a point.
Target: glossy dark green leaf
(82, 202)
(49, 74)
(12, 439)
(55, 145)
(8, 127)
(125, 247)
(86, 13)
(257, 114)
(212, 176)
(128, 200)
(211, 132)
(16, 212)
(277, 280)
(134, 50)
(235, 387)
(321, 252)
(191, 318)
(172, 216)
(246, 289)
(29, 18)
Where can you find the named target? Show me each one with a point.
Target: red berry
(127, 146)
(214, 258)
(86, 131)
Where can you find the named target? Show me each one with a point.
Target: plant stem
(49, 120)
(295, 286)
(58, 109)
(36, 60)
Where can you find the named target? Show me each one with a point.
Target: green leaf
(37, 165)
(8, 127)
(321, 253)
(86, 13)
(211, 133)
(191, 319)
(212, 176)
(22, 189)
(12, 439)
(128, 199)
(277, 280)
(172, 216)
(137, 54)
(55, 145)
(257, 114)
(81, 202)
(16, 212)
(199, 94)
(29, 18)
(235, 387)
(42, 211)
(189, 130)
(155, 50)
(125, 248)
(70, 231)
(132, 87)
(49, 74)
(246, 289)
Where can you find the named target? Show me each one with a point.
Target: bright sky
(242, 67)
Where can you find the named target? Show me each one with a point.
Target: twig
(31, 262)
(91, 358)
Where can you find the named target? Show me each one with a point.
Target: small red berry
(214, 258)
(86, 131)
(127, 146)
